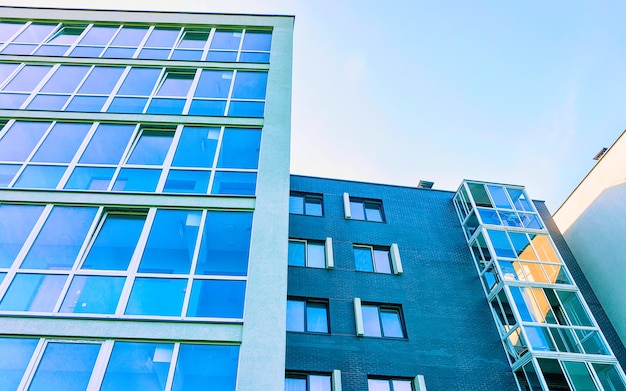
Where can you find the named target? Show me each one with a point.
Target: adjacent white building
(593, 222)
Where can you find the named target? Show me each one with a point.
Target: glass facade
(134, 142)
(549, 334)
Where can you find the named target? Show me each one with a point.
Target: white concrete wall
(593, 222)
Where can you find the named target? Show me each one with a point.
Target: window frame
(381, 307)
(307, 197)
(364, 204)
(334, 378)
(328, 252)
(307, 302)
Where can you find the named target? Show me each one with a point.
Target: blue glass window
(193, 40)
(66, 35)
(225, 244)
(85, 51)
(6, 70)
(363, 259)
(183, 181)
(166, 106)
(138, 366)
(176, 84)
(499, 197)
(310, 316)
(14, 101)
(40, 177)
(114, 52)
(108, 144)
(246, 109)
(140, 81)
(48, 102)
(371, 321)
(60, 239)
(137, 179)
(101, 80)
(207, 107)
(522, 246)
(90, 178)
(98, 35)
(250, 85)
(93, 295)
(187, 55)
(115, 242)
(35, 33)
(16, 222)
(501, 244)
(240, 148)
(222, 56)
(151, 147)
(33, 292)
(171, 242)
(65, 366)
(196, 147)
(225, 39)
(51, 50)
(8, 29)
(257, 40)
(155, 54)
(19, 141)
(86, 103)
(7, 173)
(61, 143)
(15, 354)
(217, 299)
(254, 57)
(127, 105)
(234, 183)
(157, 296)
(162, 38)
(65, 79)
(206, 367)
(129, 36)
(27, 78)
(214, 84)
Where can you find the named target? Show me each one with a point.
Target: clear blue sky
(394, 92)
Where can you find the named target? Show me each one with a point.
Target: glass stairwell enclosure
(550, 337)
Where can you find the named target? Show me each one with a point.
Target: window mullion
(172, 370)
(99, 369)
(32, 364)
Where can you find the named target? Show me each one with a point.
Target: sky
(401, 91)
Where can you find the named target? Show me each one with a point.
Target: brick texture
(452, 338)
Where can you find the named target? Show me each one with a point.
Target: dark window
(382, 321)
(306, 204)
(365, 209)
(307, 316)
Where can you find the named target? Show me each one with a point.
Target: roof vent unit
(600, 154)
(425, 185)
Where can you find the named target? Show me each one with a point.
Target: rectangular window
(309, 253)
(372, 259)
(378, 320)
(307, 316)
(126, 365)
(364, 209)
(306, 204)
(307, 382)
(389, 385)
